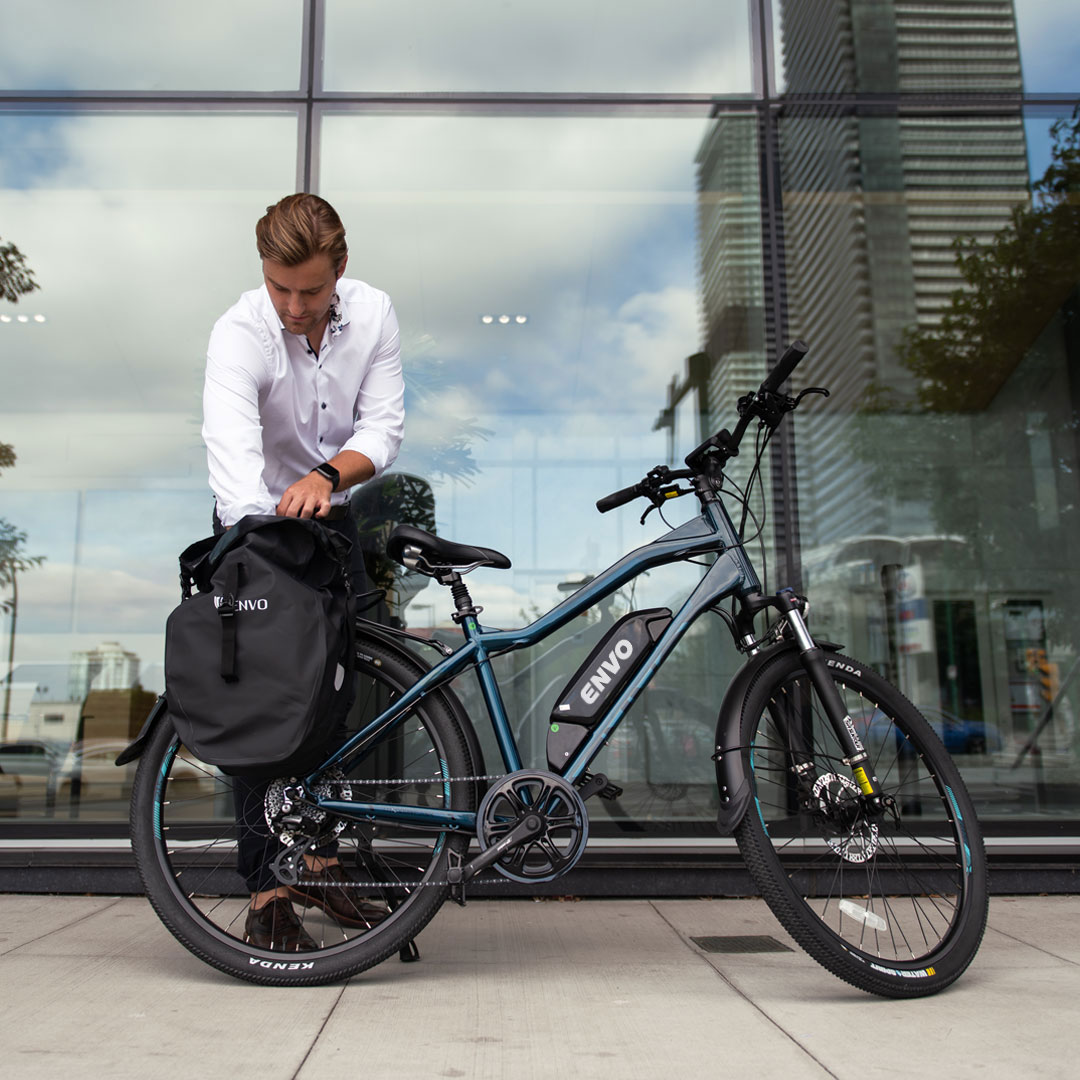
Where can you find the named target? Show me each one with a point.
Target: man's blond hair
(298, 228)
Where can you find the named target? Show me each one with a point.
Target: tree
(1012, 288)
(16, 278)
(13, 561)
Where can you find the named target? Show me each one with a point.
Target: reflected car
(27, 757)
(27, 770)
(960, 735)
(91, 765)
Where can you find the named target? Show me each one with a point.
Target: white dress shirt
(273, 410)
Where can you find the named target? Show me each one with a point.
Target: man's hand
(309, 497)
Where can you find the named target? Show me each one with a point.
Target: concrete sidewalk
(95, 987)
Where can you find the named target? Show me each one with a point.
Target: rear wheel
(892, 900)
(184, 835)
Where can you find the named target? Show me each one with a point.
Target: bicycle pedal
(598, 784)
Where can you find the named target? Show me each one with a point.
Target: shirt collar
(339, 316)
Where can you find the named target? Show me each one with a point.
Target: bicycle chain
(495, 879)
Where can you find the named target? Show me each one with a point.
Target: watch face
(330, 473)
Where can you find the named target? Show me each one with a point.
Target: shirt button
(324, 404)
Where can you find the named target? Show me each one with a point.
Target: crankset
(532, 826)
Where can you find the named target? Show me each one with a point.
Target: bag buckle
(227, 606)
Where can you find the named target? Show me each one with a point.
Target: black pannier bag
(259, 660)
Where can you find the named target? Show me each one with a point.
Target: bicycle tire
(183, 833)
(894, 903)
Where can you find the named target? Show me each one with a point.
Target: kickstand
(409, 953)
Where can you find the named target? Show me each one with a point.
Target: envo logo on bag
(245, 605)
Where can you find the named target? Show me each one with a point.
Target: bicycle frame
(730, 574)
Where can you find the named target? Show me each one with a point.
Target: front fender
(731, 777)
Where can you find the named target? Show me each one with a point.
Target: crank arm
(531, 825)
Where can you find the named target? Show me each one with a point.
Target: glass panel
(197, 45)
(138, 230)
(938, 484)
(954, 46)
(564, 46)
(1049, 45)
(545, 270)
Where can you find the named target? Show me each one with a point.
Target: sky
(139, 230)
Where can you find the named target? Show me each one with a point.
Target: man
(302, 400)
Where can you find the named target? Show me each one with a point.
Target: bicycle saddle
(439, 553)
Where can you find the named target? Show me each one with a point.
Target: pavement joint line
(66, 926)
(700, 954)
(322, 1027)
(1037, 948)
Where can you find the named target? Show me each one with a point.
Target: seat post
(460, 591)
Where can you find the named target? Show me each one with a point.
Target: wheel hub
(839, 805)
(292, 818)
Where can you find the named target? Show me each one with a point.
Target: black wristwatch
(331, 474)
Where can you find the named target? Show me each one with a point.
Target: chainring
(566, 824)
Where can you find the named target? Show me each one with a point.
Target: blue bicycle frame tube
(731, 573)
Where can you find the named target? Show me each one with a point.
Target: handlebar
(784, 367)
(708, 459)
(618, 498)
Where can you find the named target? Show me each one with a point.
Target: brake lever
(661, 496)
(809, 390)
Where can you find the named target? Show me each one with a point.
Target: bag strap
(227, 612)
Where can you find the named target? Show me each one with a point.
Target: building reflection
(67, 724)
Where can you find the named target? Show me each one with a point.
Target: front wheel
(184, 834)
(891, 898)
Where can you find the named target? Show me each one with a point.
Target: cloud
(583, 46)
(104, 601)
(197, 45)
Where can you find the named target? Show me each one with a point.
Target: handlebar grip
(618, 498)
(784, 366)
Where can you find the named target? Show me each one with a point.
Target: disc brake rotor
(838, 802)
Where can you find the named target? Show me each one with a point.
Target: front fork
(855, 755)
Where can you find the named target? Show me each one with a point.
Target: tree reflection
(1013, 288)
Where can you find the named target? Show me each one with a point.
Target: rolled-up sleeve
(379, 424)
(235, 366)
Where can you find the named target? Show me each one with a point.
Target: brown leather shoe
(275, 926)
(338, 898)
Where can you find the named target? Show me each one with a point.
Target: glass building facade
(599, 224)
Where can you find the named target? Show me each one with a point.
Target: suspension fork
(855, 755)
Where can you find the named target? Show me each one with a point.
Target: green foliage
(13, 559)
(16, 278)
(1012, 288)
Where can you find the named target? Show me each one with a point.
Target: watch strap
(331, 474)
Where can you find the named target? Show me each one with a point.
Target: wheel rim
(890, 887)
(195, 833)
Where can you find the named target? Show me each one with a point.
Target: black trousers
(257, 847)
